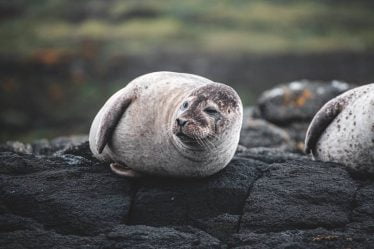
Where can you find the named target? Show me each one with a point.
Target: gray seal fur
(343, 130)
(137, 126)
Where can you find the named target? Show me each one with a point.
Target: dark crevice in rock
(19, 222)
(353, 204)
(361, 174)
(265, 198)
(134, 190)
(261, 174)
(313, 238)
(301, 227)
(299, 195)
(196, 225)
(199, 225)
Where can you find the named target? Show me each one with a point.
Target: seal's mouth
(183, 136)
(186, 139)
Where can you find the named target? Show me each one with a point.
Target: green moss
(200, 25)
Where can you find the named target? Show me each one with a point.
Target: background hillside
(60, 59)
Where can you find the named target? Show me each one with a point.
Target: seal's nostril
(181, 122)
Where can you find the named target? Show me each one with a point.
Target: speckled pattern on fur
(140, 134)
(343, 130)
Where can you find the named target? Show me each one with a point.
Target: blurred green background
(61, 59)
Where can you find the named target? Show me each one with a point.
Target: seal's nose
(181, 122)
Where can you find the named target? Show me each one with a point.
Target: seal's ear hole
(228, 110)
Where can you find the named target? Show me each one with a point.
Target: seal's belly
(350, 137)
(143, 133)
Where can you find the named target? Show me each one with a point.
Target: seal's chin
(184, 137)
(190, 135)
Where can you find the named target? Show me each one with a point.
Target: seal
(168, 124)
(343, 130)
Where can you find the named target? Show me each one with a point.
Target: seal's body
(343, 130)
(159, 124)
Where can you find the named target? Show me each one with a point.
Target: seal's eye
(211, 111)
(184, 105)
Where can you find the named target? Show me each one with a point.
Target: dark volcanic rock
(299, 195)
(269, 155)
(121, 236)
(178, 202)
(63, 193)
(292, 106)
(161, 237)
(298, 100)
(314, 239)
(260, 133)
(265, 198)
(44, 146)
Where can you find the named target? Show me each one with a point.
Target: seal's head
(207, 113)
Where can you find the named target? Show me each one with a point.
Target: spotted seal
(343, 130)
(168, 124)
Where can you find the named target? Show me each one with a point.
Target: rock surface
(293, 105)
(260, 133)
(265, 198)
(298, 100)
(54, 194)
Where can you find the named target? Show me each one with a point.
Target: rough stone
(314, 239)
(63, 193)
(293, 105)
(161, 237)
(44, 146)
(265, 198)
(299, 195)
(260, 133)
(298, 100)
(159, 202)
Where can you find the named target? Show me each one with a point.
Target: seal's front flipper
(123, 170)
(323, 119)
(112, 113)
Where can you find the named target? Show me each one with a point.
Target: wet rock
(308, 239)
(265, 198)
(16, 146)
(24, 233)
(260, 133)
(221, 226)
(287, 197)
(292, 106)
(297, 132)
(159, 202)
(270, 156)
(44, 146)
(362, 215)
(68, 194)
(298, 100)
(161, 237)
(31, 239)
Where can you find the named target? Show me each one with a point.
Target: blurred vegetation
(60, 59)
(141, 26)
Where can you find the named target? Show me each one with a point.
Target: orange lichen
(303, 98)
(296, 100)
(287, 96)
